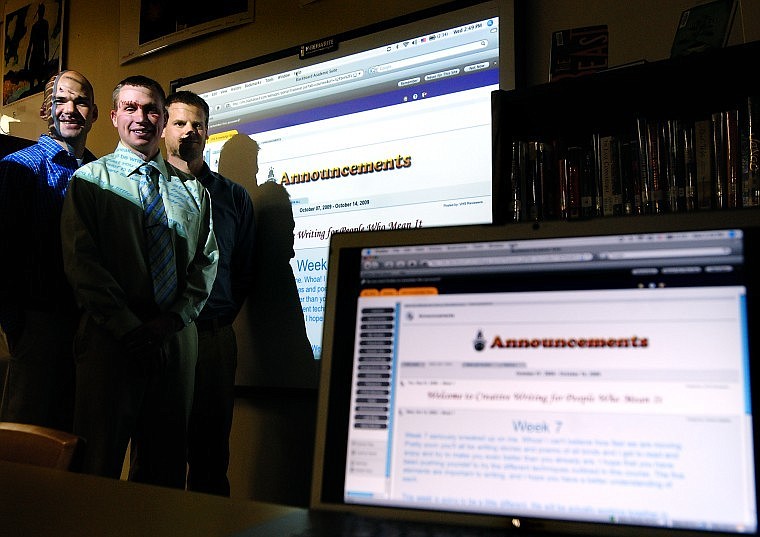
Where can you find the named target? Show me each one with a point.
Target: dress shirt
(234, 230)
(104, 242)
(33, 182)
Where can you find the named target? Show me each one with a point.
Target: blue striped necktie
(160, 249)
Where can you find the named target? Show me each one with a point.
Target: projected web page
(397, 137)
(625, 405)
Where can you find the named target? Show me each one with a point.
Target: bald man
(38, 313)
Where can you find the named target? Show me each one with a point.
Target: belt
(211, 325)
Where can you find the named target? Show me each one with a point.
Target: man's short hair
(139, 81)
(47, 95)
(189, 98)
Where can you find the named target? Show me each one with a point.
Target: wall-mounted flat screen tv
(390, 128)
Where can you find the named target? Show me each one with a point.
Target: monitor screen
(531, 378)
(390, 128)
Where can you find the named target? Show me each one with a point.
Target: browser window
(359, 141)
(592, 378)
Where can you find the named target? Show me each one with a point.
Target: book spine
(689, 167)
(605, 167)
(719, 160)
(674, 186)
(588, 185)
(733, 160)
(575, 159)
(616, 185)
(655, 154)
(629, 178)
(645, 175)
(550, 180)
(753, 152)
(744, 126)
(569, 183)
(535, 182)
(517, 182)
(703, 163)
(598, 187)
(563, 184)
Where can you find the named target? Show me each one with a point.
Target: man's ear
(95, 113)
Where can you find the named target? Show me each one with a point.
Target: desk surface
(40, 502)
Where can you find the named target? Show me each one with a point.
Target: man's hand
(152, 334)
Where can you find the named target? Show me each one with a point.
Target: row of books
(658, 166)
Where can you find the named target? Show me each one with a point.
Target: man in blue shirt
(185, 138)
(37, 309)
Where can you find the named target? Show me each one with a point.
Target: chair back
(40, 446)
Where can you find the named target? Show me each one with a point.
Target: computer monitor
(388, 127)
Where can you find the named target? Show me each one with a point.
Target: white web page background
(652, 434)
(433, 190)
(424, 132)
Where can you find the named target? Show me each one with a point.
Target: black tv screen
(386, 127)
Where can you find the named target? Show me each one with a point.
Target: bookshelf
(558, 118)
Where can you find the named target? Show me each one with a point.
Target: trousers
(211, 416)
(145, 400)
(39, 387)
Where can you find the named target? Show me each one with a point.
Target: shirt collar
(53, 149)
(133, 162)
(205, 176)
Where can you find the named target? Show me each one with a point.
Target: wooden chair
(40, 446)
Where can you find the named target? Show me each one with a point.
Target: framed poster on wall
(33, 46)
(154, 24)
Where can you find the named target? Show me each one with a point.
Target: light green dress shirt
(104, 244)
